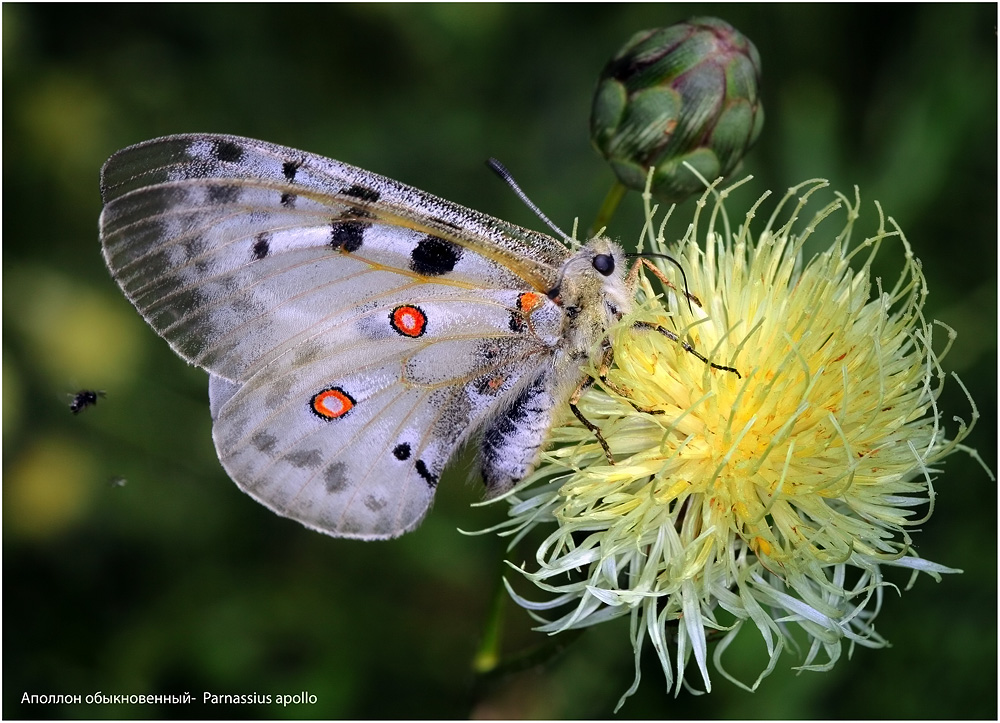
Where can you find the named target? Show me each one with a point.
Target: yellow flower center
(782, 453)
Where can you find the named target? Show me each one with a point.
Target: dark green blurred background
(178, 583)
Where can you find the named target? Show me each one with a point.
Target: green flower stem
(608, 207)
(488, 664)
(487, 657)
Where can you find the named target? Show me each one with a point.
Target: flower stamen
(774, 496)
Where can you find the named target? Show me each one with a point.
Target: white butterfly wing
(356, 330)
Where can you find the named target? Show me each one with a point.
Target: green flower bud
(686, 93)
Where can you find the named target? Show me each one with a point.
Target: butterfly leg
(687, 347)
(620, 391)
(588, 382)
(575, 399)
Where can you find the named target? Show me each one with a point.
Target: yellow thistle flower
(774, 496)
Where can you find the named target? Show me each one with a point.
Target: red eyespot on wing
(409, 321)
(332, 403)
(528, 301)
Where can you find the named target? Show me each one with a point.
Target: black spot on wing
(262, 246)
(290, 168)
(222, 195)
(368, 195)
(401, 451)
(347, 235)
(430, 479)
(228, 151)
(288, 200)
(434, 256)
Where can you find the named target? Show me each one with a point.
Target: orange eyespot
(528, 301)
(332, 403)
(409, 321)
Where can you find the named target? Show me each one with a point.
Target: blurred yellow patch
(70, 143)
(13, 404)
(77, 336)
(48, 488)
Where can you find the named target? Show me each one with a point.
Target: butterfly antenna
(498, 168)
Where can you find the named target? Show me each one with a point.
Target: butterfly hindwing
(356, 330)
(354, 440)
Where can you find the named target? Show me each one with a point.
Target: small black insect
(83, 399)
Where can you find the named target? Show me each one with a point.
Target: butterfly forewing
(307, 182)
(356, 329)
(210, 236)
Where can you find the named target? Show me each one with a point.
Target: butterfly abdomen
(511, 441)
(588, 296)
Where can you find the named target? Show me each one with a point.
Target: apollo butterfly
(356, 331)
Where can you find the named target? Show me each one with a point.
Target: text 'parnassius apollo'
(355, 330)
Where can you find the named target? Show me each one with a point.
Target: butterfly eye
(604, 263)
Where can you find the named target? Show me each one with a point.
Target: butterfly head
(592, 290)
